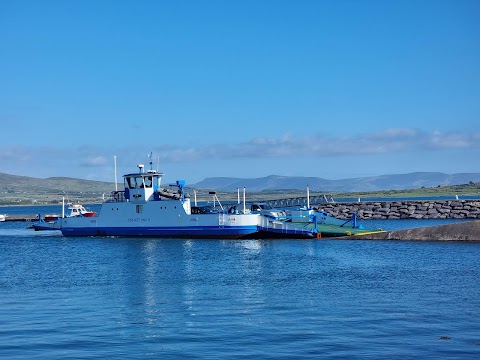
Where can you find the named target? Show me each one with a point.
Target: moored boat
(51, 221)
(79, 210)
(50, 217)
(144, 208)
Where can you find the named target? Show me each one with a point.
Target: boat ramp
(463, 231)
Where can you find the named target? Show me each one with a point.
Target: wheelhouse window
(148, 181)
(138, 182)
(130, 183)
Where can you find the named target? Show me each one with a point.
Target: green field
(465, 189)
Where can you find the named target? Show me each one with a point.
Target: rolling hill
(27, 190)
(373, 183)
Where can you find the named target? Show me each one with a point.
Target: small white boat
(3, 217)
(79, 210)
(75, 210)
(50, 221)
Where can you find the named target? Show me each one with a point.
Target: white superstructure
(143, 208)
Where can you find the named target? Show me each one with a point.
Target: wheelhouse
(142, 186)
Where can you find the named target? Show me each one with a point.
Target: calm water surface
(92, 298)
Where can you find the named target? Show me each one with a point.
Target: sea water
(141, 298)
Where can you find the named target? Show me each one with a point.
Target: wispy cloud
(388, 141)
(393, 140)
(15, 153)
(95, 160)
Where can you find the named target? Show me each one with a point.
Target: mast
(244, 205)
(151, 162)
(115, 171)
(308, 197)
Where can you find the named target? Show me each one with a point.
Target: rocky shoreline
(387, 210)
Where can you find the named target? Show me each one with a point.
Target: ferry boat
(143, 208)
(146, 209)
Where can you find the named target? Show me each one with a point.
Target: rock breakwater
(412, 209)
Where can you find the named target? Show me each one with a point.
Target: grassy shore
(472, 189)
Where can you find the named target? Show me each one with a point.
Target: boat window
(130, 182)
(138, 182)
(255, 207)
(148, 182)
(155, 182)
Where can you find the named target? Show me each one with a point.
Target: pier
(21, 217)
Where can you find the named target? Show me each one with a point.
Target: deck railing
(116, 196)
(300, 201)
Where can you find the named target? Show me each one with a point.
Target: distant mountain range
(371, 183)
(12, 184)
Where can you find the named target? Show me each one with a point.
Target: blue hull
(39, 227)
(184, 232)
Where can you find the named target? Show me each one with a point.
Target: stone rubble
(418, 209)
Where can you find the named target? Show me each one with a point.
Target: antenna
(151, 163)
(244, 204)
(308, 197)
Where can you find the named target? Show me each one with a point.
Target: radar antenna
(150, 157)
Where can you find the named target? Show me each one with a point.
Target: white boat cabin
(143, 186)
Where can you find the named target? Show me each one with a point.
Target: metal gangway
(300, 201)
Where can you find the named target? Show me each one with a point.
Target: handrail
(116, 196)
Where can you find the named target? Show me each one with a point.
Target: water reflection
(150, 271)
(255, 245)
(189, 271)
(171, 298)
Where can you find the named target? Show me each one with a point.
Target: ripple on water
(150, 298)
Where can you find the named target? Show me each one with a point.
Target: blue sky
(333, 89)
